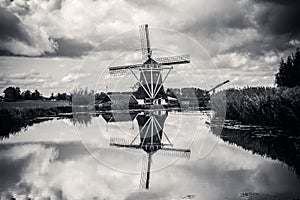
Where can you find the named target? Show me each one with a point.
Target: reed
(260, 105)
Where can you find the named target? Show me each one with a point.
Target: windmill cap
(151, 61)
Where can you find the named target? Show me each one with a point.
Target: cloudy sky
(45, 44)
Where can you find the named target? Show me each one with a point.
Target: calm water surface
(59, 160)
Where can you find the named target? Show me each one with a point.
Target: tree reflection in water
(270, 142)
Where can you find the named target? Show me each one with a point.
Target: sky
(62, 45)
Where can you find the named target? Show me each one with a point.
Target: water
(62, 159)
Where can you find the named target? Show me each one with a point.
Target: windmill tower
(150, 133)
(150, 80)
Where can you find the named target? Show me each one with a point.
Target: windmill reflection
(150, 134)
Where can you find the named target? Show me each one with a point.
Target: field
(261, 106)
(33, 104)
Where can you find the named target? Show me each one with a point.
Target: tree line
(15, 94)
(289, 71)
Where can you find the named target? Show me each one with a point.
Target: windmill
(151, 133)
(150, 80)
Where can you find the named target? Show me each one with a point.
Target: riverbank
(267, 106)
(17, 115)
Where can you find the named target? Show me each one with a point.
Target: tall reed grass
(260, 105)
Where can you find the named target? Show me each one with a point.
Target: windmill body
(151, 90)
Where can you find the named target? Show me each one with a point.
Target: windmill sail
(179, 153)
(145, 41)
(123, 69)
(173, 60)
(146, 171)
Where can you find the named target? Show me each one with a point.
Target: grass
(17, 115)
(33, 104)
(260, 106)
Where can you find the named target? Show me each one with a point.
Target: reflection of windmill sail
(151, 134)
(118, 117)
(146, 170)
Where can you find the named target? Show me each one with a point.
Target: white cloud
(74, 77)
(294, 43)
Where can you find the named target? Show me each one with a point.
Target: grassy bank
(34, 104)
(260, 106)
(13, 119)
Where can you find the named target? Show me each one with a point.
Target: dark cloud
(10, 172)
(267, 43)
(286, 2)
(71, 47)
(64, 47)
(11, 28)
(217, 22)
(18, 39)
(276, 22)
(279, 17)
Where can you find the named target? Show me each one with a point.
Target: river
(73, 159)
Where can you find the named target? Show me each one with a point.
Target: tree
(26, 95)
(289, 71)
(12, 94)
(36, 95)
(61, 96)
(52, 96)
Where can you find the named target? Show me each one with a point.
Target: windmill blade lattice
(123, 143)
(145, 41)
(173, 60)
(179, 153)
(144, 167)
(123, 69)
